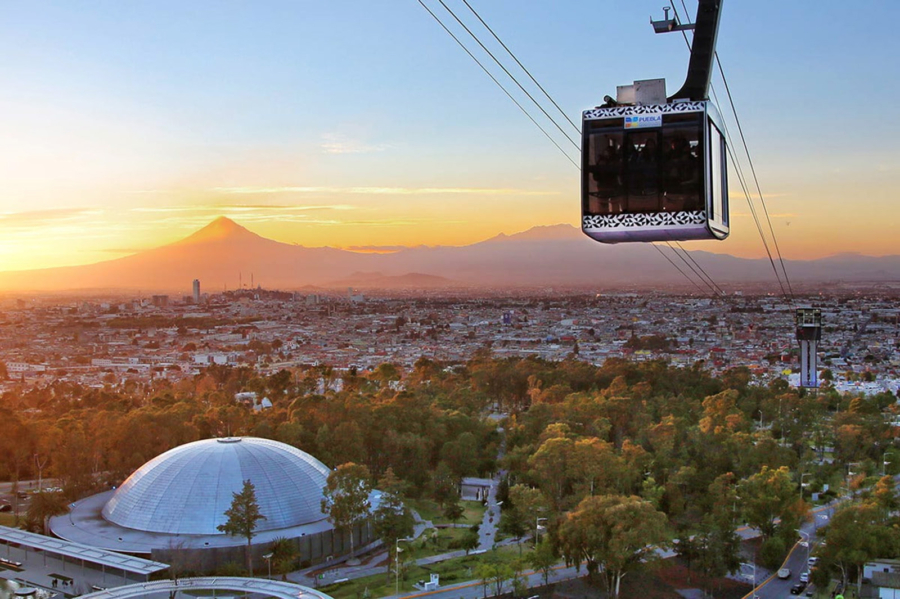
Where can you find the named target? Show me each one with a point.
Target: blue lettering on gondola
(644, 120)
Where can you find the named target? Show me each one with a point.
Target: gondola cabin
(654, 172)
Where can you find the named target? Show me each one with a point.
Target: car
(784, 573)
(811, 562)
(798, 588)
(5, 507)
(804, 577)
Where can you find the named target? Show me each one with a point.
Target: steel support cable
(711, 287)
(500, 85)
(525, 112)
(739, 170)
(790, 292)
(756, 220)
(755, 179)
(691, 258)
(510, 75)
(692, 281)
(527, 72)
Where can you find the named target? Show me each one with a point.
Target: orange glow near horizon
(364, 217)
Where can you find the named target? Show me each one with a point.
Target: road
(774, 588)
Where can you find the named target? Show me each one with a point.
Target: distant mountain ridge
(224, 254)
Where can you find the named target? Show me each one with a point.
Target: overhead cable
(527, 72)
(500, 85)
(510, 75)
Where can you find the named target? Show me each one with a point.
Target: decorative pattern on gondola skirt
(652, 219)
(614, 111)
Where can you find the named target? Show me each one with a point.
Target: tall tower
(809, 333)
(197, 291)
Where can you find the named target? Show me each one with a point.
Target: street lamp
(537, 530)
(397, 561)
(268, 558)
(802, 484)
(884, 465)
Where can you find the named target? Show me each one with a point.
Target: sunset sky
(361, 123)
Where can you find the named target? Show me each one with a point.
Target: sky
(361, 124)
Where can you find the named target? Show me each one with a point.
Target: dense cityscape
(116, 339)
(503, 410)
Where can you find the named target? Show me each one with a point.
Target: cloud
(42, 218)
(762, 216)
(351, 147)
(384, 190)
(735, 193)
(337, 144)
(376, 249)
(243, 208)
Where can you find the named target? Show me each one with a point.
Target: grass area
(433, 541)
(7, 519)
(429, 510)
(452, 571)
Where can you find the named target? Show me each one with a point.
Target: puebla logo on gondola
(639, 121)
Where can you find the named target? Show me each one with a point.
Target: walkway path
(487, 533)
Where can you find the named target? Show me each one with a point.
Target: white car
(804, 577)
(812, 562)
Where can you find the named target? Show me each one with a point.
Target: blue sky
(130, 124)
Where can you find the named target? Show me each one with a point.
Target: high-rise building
(196, 291)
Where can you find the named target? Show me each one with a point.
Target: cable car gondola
(655, 168)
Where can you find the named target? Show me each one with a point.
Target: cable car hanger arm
(703, 48)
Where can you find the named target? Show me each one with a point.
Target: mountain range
(224, 254)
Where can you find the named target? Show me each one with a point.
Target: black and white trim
(652, 219)
(623, 111)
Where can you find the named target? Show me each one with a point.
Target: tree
(718, 548)
(551, 465)
(242, 517)
(884, 496)
(346, 497)
(470, 540)
(44, 506)
(453, 509)
(856, 535)
(612, 533)
(528, 504)
(284, 555)
(542, 559)
(443, 484)
(391, 519)
(485, 573)
(770, 495)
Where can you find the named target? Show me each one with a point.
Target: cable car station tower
(654, 168)
(809, 333)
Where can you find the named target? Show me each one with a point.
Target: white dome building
(187, 489)
(176, 501)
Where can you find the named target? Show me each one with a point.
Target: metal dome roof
(186, 490)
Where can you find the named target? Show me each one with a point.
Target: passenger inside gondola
(606, 189)
(683, 174)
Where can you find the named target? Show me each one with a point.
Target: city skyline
(365, 127)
